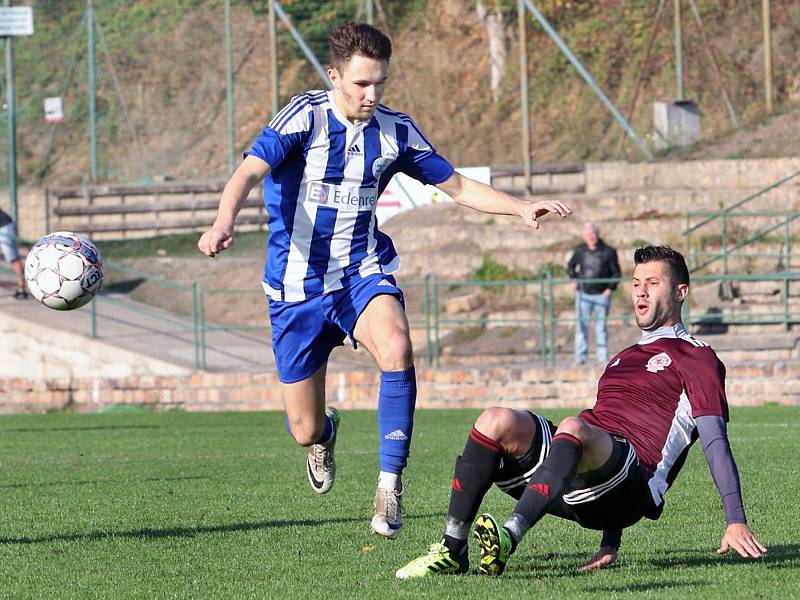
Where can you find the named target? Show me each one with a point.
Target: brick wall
(749, 384)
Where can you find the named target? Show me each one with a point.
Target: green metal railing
(726, 218)
(549, 299)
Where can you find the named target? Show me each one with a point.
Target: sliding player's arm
(717, 448)
(484, 198)
(221, 235)
(607, 554)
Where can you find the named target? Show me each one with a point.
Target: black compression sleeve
(714, 437)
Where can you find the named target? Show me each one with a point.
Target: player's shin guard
(475, 472)
(546, 485)
(396, 401)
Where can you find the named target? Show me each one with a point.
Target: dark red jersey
(652, 392)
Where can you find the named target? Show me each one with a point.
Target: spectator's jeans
(586, 307)
(8, 242)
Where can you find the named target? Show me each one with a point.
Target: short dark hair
(675, 260)
(345, 41)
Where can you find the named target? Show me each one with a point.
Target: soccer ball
(64, 270)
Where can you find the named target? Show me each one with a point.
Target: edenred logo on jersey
(659, 362)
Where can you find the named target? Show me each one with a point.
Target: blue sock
(328, 432)
(396, 401)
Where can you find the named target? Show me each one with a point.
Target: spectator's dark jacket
(599, 263)
(4, 218)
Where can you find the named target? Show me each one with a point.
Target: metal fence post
(725, 242)
(94, 318)
(427, 311)
(436, 341)
(552, 315)
(195, 327)
(543, 322)
(202, 322)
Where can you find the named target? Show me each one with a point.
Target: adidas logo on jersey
(396, 435)
(354, 150)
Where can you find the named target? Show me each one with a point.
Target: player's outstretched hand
(605, 557)
(739, 537)
(215, 240)
(532, 211)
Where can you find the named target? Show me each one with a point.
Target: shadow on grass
(180, 532)
(7, 486)
(783, 556)
(92, 428)
(660, 585)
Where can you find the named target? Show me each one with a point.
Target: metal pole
(523, 94)
(707, 44)
(92, 90)
(229, 86)
(370, 14)
(543, 322)
(427, 310)
(678, 47)
(12, 127)
(302, 43)
(273, 49)
(94, 317)
(767, 26)
(587, 77)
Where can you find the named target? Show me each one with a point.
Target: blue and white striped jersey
(326, 176)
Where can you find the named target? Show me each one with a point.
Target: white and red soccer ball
(64, 270)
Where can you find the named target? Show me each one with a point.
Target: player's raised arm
(484, 198)
(221, 235)
(738, 536)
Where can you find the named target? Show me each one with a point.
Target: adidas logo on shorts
(396, 435)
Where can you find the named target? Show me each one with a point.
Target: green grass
(216, 505)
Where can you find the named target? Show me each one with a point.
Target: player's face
(358, 86)
(656, 300)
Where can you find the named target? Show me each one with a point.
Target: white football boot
(321, 464)
(387, 519)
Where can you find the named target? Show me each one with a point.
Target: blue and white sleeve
(421, 161)
(289, 129)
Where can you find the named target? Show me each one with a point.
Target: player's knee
(495, 422)
(395, 353)
(304, 432)
(576, 427)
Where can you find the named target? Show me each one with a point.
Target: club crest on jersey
(379, 165)
(659, 362)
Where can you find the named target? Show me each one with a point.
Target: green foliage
(216, 505)
(491, 270)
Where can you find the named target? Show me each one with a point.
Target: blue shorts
(8, 242)
(304, 333)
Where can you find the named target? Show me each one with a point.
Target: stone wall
(707, 178)
(749, 384)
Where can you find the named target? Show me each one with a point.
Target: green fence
(548, 300)
(733, 237)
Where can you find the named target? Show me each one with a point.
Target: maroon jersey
(652, 392)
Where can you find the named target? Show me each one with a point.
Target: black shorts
(612, 497)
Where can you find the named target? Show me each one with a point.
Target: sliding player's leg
(502, 447)
(577, 447)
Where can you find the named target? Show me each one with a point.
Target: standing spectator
(8, 245)
(593, 259)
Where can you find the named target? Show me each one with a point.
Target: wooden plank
(191, 224)
(145, 207)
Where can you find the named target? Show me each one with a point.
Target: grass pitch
(217, 505)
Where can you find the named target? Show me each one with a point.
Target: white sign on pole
(54, 110)
(16, 20)
(404, 193)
